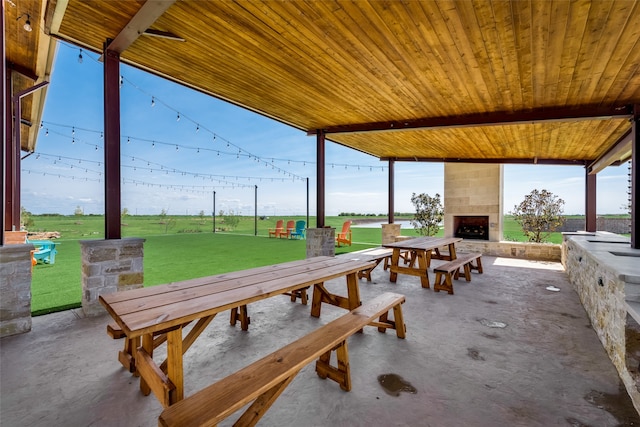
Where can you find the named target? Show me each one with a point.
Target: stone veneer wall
(109, 266)
(389, 232)
(321, 242)
(602, 294)
(15, 289)
(531, 251)
(473, 189)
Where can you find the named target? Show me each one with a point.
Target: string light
(178, 119)
(153, 101)
(80, 57)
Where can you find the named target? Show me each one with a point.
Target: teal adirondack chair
(298, 233)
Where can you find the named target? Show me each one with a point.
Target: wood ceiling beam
(534, 161)
(619, 152)
(143, 19)
(488, 119)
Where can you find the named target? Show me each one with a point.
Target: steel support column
(320, 175)
(9, 155)
(590, 201)
(112, 222)
(391, 190)
(3, 120)
(635, 179)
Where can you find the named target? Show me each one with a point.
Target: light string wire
(267, 160)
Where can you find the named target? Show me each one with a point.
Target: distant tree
(429, 213)
(230, 219)
(25, 218)
(125, 212)
(78, 211)
(201, 215)
(539, 214)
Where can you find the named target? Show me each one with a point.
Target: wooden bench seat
(378, 255)
(451, 270)
(263, 381)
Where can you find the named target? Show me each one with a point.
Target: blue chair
(45, 251)
(298, 233)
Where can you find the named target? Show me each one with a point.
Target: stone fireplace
(471, 227)
(473, 201)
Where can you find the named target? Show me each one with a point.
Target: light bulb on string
(197, 128)
(41, 125)
(178, 118)
(46, 133)
(153, 101)
(73, 131)
(80, 57)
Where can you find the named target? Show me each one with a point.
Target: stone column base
(109, 266)
(389, 233)
(321, 242)
(15, 289)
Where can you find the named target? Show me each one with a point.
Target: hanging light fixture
(27, 25)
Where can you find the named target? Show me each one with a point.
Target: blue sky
(176, 165)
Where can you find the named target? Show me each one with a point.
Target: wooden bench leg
(443, 282)
(262, 404)
(127, 356)
(340, 374)
(467, 272)
(240, 314)
(478, 266)
(299, 293)
(397, 323)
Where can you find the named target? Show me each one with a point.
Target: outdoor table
(420, 249)
(151, 316)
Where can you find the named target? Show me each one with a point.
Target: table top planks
(424, 243)
(148, 310)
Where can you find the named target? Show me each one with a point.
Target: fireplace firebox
(471, 227)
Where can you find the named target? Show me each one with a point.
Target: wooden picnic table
(420, 249)
(152, 316)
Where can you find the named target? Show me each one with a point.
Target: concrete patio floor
(502, 351)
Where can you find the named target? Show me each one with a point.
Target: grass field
(183, 249)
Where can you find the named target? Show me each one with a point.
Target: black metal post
(214, 211)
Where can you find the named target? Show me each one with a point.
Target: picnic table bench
(421, 249)
(451, 270)
(149, 317)
(262, 382)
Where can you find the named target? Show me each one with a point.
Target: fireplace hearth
(471, 227)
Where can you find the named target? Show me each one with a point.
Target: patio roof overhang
(532, 81)
(497, 81)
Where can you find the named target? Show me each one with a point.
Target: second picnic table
(152, 316)
(420, 249)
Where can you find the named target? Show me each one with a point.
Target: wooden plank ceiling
(29, 56)
(482, 76)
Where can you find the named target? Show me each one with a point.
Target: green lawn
(186, 250)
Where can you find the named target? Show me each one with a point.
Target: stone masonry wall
(612, 225)
(15, 289)
(603, 296)
(109, 266)
(321, 242)
(389, 232)
(523, 250)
